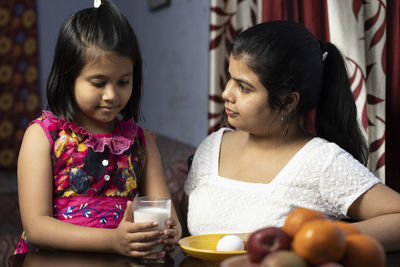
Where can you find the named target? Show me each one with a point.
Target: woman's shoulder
(214, 139)
(208, 149)
(331, 157)
(321, 146)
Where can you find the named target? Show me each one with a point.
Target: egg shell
(230, 243)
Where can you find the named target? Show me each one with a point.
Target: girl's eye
(122, 83)
(98, 84)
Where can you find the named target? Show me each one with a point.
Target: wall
(174, 44)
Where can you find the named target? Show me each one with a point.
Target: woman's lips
(230, 113)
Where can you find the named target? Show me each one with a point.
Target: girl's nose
(227, 94)
(109, 93)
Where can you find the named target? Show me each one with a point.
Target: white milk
(148, 214)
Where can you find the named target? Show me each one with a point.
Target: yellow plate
(204, 247)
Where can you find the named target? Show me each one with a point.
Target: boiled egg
(230, 243)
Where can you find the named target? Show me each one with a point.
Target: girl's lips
(108, 108)
(230, 113)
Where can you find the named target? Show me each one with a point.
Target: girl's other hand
(135, 239)
(172, 235)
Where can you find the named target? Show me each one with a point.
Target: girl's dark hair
(287, 58)
(105, 28)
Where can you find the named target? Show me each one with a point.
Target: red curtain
(311, 13)
(393, 95)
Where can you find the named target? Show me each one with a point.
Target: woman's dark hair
(287, 58)
(105, 28)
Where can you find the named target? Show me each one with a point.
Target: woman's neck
(295, 135)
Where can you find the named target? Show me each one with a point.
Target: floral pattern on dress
(80, 170)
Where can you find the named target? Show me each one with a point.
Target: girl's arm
(154, 185)
(35, 186)
(379, 212)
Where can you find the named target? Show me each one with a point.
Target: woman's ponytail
(336, 117)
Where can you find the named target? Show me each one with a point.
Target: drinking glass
(146, 209)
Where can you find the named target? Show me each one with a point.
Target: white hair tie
(324, 56)
(96, 3)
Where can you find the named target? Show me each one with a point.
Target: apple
(283, 258)
(266, 240)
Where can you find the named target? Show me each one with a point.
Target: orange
(319, 241)
(298, 217)
(363, 251)
(347, 228)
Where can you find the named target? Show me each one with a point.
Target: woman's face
(102, 90)
(246, 101)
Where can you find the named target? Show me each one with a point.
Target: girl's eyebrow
(101, 76)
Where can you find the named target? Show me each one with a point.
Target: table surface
(84, 259)
(81, 259)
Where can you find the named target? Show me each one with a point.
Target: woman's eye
(243, 89)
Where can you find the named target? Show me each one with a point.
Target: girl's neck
(97, 127)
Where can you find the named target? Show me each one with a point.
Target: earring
(285, 122)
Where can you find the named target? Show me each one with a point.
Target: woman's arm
(378, 210)
(154, 184)
(35, 186)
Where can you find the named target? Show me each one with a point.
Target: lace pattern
(117, 142)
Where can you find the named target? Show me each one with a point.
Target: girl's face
(101, 91)
(246, 101)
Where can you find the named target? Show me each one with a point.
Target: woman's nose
(227, 94)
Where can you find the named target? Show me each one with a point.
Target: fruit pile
(309, 238)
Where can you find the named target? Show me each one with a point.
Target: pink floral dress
(94, 175)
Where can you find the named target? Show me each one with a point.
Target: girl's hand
(172, 235)
(135, 239)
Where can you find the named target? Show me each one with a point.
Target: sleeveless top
(94, 175)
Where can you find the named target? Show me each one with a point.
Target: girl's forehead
(97, 56)
(108, 64)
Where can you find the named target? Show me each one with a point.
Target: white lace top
(320, 176)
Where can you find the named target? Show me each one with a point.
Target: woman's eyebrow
(243, 81)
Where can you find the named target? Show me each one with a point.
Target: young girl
(80, 165)
(252, 177)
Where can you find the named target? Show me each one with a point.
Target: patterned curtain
(19, 94)
(227, 19)
(358, 28)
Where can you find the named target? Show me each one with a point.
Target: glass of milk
(148, 209)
